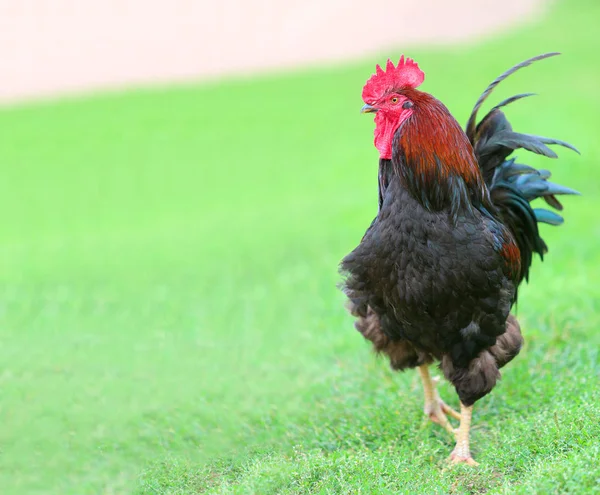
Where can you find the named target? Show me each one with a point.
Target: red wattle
(384, 135)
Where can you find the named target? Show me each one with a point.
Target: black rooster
(437, 272)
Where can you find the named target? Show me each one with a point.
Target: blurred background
(52, 47)
(178, 182)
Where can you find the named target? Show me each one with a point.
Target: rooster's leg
(461, 452)
(435, 408)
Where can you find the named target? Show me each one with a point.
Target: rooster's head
(386, 94)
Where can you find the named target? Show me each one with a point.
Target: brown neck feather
(435, 160)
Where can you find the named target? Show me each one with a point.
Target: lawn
(169, 318)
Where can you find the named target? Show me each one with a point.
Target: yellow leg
(462, 452)
(435, 408)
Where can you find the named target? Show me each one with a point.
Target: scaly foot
(446, 409)
(435, 408)
(462, 452)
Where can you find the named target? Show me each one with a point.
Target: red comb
(405, 75)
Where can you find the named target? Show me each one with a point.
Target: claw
(435, 408)
(456, 459)
(436, 413)
(448, 410)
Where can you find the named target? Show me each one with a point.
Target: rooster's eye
(394, 100)
(407, 104)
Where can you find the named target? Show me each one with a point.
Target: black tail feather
(508, 101)
(547, 216)
(493, 84)
(512, 185)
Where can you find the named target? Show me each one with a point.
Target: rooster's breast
(427, 276)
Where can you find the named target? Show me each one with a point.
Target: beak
(368, 109)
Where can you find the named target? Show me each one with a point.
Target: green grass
(169, 318)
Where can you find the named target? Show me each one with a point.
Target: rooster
(436, 274)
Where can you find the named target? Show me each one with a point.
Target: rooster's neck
(435, 162)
